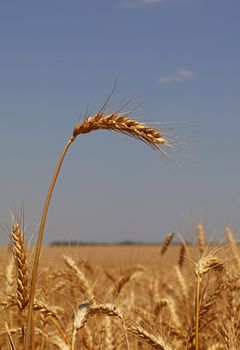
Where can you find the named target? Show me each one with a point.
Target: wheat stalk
(113, 122)
(11, 342)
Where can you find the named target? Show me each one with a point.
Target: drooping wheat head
(122, 124)
(87, 310)
(155, 341)
(84, 285)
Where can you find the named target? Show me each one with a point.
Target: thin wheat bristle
(19, 253)
(123, 124)
(167, 242)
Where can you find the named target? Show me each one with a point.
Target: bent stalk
(39, 244)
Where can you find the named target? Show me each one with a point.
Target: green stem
(29, 329)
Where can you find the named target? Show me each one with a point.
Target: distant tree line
(86, 243)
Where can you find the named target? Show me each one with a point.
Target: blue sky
(180, 57)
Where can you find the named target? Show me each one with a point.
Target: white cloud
(182, 74)
(138, 3)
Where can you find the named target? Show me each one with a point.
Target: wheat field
(168, 296)
(118, 297)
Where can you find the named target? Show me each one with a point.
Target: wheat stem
(39, 243)
(197, 310)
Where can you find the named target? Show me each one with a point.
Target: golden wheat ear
(167, 242)
(20, 257)
(122, 124)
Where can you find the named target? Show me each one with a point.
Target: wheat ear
(113, 122)
(182, 254)
(122, 281)
(123, 124)
(183, 284)
(19, 253)
(201, 239)
(155, 341)
(87, 310)
(233, 244)
(167, 242)
(83, 282)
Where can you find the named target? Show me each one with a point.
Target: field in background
(127, 297)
